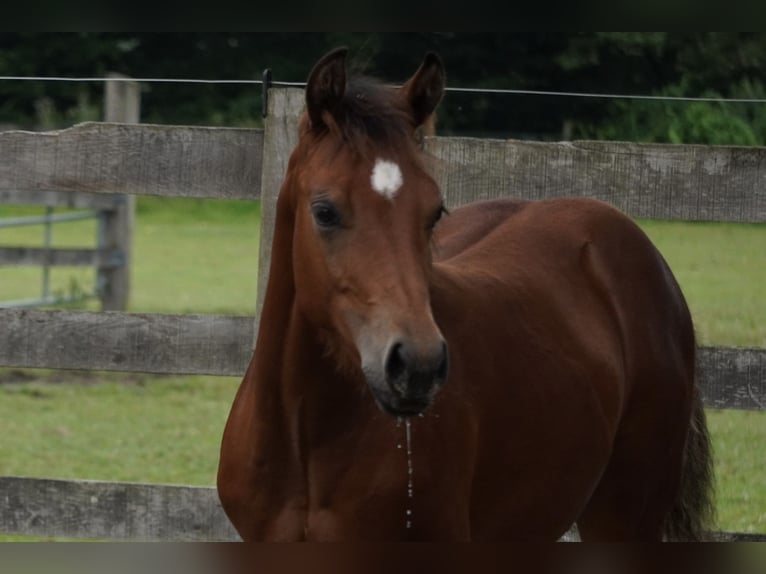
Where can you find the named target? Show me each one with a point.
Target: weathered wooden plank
(573, 535)
(733, 377)
(112, 341)
(182, 161)
(730, 377)
(111, 510)
(59, 256)
(727, 536)
(686, 182)
(79, 200)
(99, 510)
(646, 180)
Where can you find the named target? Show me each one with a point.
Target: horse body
(579, 370)
(570, 357)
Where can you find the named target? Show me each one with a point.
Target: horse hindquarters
(657, 483)
(666, 498)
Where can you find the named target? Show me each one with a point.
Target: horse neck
(266, 366)
(290, 364)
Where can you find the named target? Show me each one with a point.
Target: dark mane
(370, 111)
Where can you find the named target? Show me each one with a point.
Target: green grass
(201, 256)
(110, 426)
(722, 271)
(740, 468)
(197, 257)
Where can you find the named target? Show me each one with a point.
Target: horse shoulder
(469, 225)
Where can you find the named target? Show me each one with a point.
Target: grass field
(201, 256)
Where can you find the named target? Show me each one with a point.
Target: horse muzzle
(409, 377)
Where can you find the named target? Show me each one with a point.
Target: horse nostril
(410, 375)
(396, 366)
(443, 368)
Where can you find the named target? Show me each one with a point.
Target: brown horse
(540, 354)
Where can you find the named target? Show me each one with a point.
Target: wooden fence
(113, 213)
(690, 183)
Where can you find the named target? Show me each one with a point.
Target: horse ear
(326, 85)
(424, 90)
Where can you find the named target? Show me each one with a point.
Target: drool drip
(408, 512)
(410, 487)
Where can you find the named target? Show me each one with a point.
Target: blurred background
(697, 64)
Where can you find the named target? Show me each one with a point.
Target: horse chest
(366, 486)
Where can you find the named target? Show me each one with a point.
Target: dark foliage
(726, 64)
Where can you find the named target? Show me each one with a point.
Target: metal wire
(553, 93)
(608, 96)
(125, 79)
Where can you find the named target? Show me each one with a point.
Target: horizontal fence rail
(133, 511)
(111, 510)
(65, 256)
(682, 182)
(51, 218)
(731, 377)
(129, 342)
(135, 159)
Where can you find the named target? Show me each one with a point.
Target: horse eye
(325, 214)
(438, 215)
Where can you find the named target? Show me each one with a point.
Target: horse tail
(693, 512)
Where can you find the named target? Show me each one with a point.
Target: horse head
(364, 210)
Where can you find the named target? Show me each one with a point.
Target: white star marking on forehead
(386, 178)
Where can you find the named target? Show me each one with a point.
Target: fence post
(122, 102)
(279, 138)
